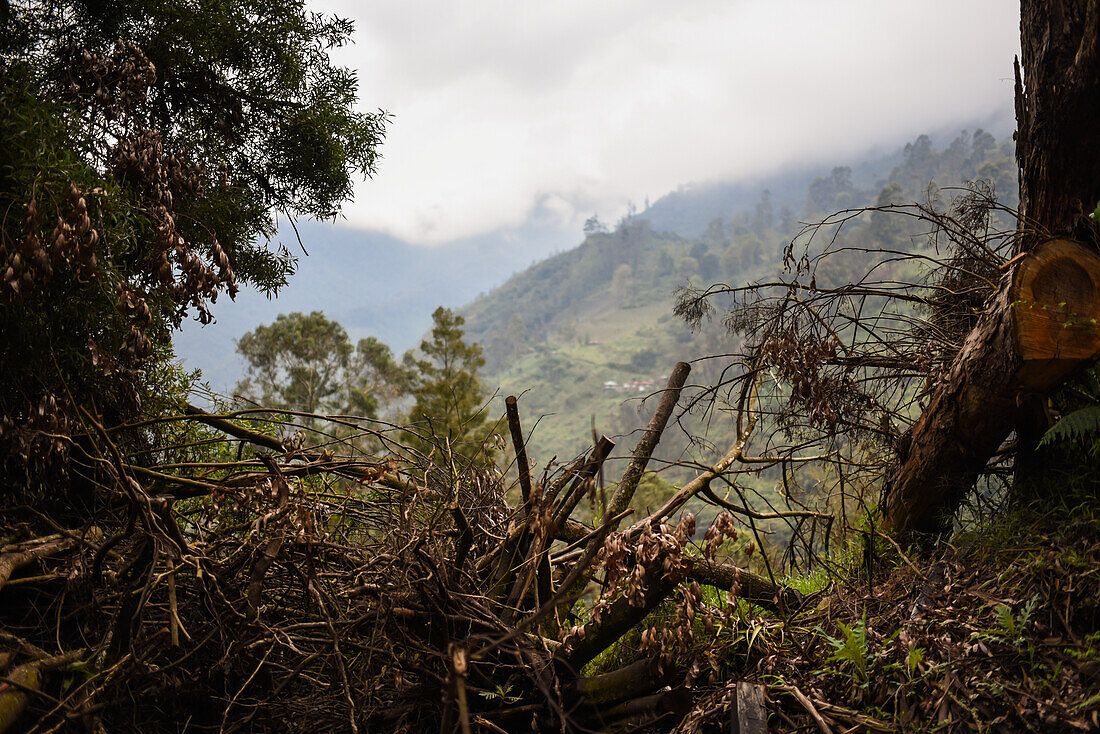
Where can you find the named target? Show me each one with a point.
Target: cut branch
(624, 493)
(521, 453)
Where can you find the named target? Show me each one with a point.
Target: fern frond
(1079, 424)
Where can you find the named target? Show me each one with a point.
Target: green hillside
(586, 335)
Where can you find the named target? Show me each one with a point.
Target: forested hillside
(562, 331)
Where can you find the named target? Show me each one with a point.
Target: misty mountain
(378, 285)
(371, 283)
(587, 333)
(687, 210)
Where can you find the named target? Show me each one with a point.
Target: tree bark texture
(1058, 116)
(977, 404)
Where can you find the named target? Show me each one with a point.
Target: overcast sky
(576, 106)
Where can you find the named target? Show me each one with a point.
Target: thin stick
(652, 436)
(808, 705)
(522, 466)
(173, 608)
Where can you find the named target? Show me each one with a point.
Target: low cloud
(504, 111)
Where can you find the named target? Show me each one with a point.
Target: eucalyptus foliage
(150, 149)
(307, 363)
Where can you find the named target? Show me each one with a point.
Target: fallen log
(754, 588)
(630, 681)
(621, 616)
(1039, 328)
(674, 703)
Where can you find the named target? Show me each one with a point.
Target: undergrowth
(998, 631)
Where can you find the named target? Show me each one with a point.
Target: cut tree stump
(1056, 310)
(978, 402)
(1037, 330)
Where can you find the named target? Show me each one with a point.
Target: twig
(808, 705)
(649, 440)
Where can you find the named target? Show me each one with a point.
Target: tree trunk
(1003, 363)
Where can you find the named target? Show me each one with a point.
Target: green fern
(852, 649)
(1078, 425)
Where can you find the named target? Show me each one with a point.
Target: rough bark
(21, 681)
(1058, 115)
(976, 406)
(647, 711)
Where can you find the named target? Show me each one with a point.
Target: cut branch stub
(624, 493)
(1056, 303)
(514, 427)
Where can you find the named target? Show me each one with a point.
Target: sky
(504, 111)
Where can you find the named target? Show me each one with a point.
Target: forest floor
(998, 631)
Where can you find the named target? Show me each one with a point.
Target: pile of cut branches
(318, 575)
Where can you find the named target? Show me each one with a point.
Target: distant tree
(732, 263)
(739, 225)
(763, 217)
(715, 235)
(709, 264)
(665, 263)
(1004, 174)
(743, 254)
(889, 229)
(824, 191)
(786, 220)
(593, 226)
(449, 407)
(955, 156)
(918, 166)
(982, 145)
(687, 267)
(375, 381)
(296, 363)
(515, 336)
(306, 363)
